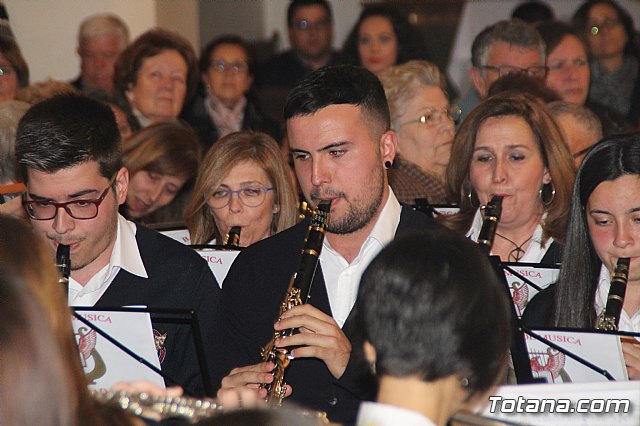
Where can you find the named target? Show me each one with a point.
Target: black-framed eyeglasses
(433, 117)
(304, 25)
(235, 67)
(536, 71)
(252, 196)
(607, 24)
(77, 209)
(6, 70)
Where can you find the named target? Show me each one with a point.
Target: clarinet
(491, 213)
(232, 240)
(63, 263)
(297, 294)
(610, 317)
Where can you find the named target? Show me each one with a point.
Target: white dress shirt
(343, 279)
(536, 250)
(627, 323)
(125, 255)
(378, 414)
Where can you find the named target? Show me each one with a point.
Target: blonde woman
(243, 181)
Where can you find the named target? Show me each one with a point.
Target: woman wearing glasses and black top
(224, 104)
(243, 181)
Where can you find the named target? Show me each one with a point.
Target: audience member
(156, 74)
(68, 148)
(250, 166)
(580, 127)
(511, 146)
(435, 321)
(101, 39)
(161, 159)
(523, 83)
(615, 54)
(506, 47)
(310, 28)
(383, 37)
(569, 75)
(424, 121)
(14, 72)
(36, 92)
(11, 186)
(127, 123)
(226, 106)
(533, 12)
(338, 126)
(602, 228)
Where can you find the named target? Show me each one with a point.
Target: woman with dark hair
(604, 225)
(569, 75)
(432, 352)
(225, 105)
(615, 56)
(156, 74)
(14, 72)
(509, 145)
(162, 159)
(382, 37)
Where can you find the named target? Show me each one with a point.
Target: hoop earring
(553, 195)
(470, 197)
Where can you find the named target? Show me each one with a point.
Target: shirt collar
(126, 254)
(385, 228)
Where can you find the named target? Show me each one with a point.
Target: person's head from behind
(310, 24)
(36, 386)
(14, 70)
(605, 203)
(11, 188)
(504, 48)
(338, 127)
(421, 114)
(101, 38)
(525, 84)
(431, 309)
(533, 12)
(243, 181)
(227, 69)
(68, 149)
(383, 37)
(161, 159)
(608, 28)
(567, 61)
(581, 127)
(157, 74)
(510, 145)
(126, 121)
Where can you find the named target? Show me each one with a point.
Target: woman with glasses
(510, 146)
(225, 105)
(424, 121)
(243, 181)
(615, 54)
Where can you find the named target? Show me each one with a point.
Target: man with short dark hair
(338, 126)
(310, 28)
(505, 47)
(68, 148)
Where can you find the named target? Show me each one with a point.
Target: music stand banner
(526, 280)
(219, 261)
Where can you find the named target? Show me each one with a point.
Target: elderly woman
(243, 181)
(424, 120)
(432, 354)
(509, 145)
(603, 227)
(156, 74)
(11, 186)
(14, 72)
(227, 73)
(615, 56)
(161, 159)
(381, 38)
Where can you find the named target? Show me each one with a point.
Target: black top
(538, 312)
(249, 305)
(180, 279)
(286, 69)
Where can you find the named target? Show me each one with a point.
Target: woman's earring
(387, 164)
(276, 208)
(553, 195)
(470, 197)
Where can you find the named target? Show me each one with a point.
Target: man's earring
(387, 164)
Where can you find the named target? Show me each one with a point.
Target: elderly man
(101, 38)
(506, 47)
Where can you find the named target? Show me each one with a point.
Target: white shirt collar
(125, 255)
(627, 323)
(378, 414)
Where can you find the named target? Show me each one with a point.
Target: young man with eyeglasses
(68, 149)
(506, 47)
